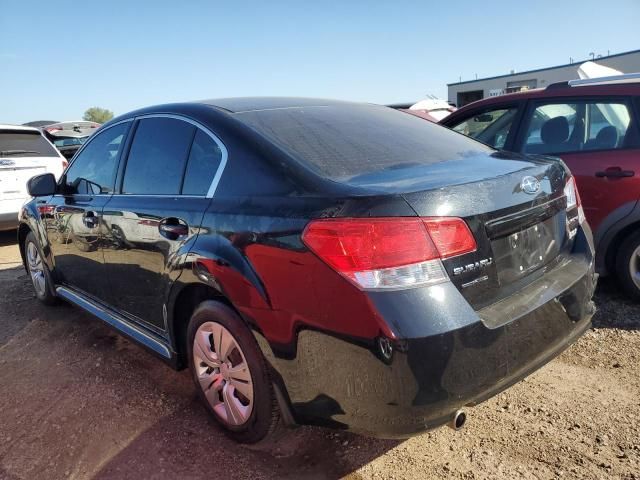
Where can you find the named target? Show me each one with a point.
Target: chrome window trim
(213, 136)
(157, 195)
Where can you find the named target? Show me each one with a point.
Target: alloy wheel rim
(36, 269)
(634, 267)
(223, 373)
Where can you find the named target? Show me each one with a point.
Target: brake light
(46, 209)
(64, 164)
(573, 198)
(388, 253)
(451, 236)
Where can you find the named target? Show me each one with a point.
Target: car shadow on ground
(15, 286)
(9, 237)
(188, 444)
(614, 308)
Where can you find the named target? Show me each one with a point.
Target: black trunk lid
(519, 233)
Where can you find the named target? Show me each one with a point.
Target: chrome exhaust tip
(458, 420)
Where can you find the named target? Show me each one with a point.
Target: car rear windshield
(69, 141)
(25, 144)
(344, 141)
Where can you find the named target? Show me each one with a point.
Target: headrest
(607, 137)
(555, 130)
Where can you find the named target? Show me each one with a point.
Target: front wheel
(230, 373)
(628, 265)
(38, 271)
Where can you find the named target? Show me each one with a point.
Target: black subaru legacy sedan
(317, 262)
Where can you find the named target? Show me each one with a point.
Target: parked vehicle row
(24, 152)
(314, 261)
(68, 142)
(68, 137)
(593, 126)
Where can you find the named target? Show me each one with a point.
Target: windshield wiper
(5, 153)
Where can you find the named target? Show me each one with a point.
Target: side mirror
(42, 185)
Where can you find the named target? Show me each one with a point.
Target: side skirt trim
(117, 322)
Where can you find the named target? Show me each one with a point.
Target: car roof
(18, 128)
(248, 104)
(40, 123)
(558, 90)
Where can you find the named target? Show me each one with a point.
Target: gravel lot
(78, 401)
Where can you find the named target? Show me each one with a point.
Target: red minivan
(592, 125)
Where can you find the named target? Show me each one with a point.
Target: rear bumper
(8, 221)
(347, 385)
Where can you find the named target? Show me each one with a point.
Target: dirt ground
(78, 401)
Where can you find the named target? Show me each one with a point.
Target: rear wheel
(628, 265)
(38, 270)
(230, 373)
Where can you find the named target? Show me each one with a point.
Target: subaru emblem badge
(530, 185)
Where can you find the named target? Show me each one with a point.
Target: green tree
(97, 114)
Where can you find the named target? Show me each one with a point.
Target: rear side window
(344, 141)
(158, 156)
(203, 163)
(25, 144)
(491, 127)
(94, 169)
(555, 128)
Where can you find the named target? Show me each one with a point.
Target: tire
(628, 264)
(38, 271)
(250, 412)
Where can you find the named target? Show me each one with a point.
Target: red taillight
(451, 236)
(46, 209)
(64, 164)
(391, 252)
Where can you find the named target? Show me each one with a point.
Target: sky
(58, 58)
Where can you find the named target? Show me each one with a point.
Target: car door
(75, 227)
(165, 188)
(491, 125)
(598, 140)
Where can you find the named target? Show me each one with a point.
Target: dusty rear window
(344, 141)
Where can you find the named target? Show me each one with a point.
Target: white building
(461, 93)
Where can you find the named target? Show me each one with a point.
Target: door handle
(90, 219)
(615, 172)
(173, 228)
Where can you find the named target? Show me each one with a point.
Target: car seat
(606, 138)
(554, 134)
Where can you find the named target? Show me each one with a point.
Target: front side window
(94, 170)
(157, 157)
(491, 127)
(556, 128)
(203, 163)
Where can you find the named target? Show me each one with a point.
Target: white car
(24, 152)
